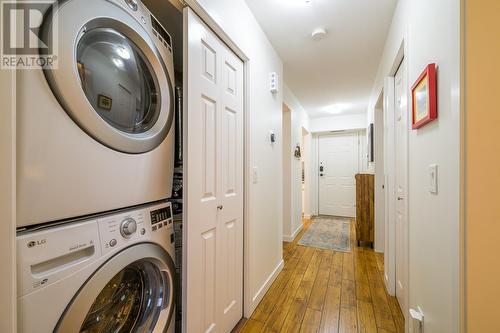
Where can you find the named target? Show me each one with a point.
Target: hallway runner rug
(329, 232)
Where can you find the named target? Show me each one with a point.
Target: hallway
(327, 291)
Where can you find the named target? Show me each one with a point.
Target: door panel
(401, 126)
(208, 268)
(230, 200)
(338, 156)
(214, 178)
(209, 149)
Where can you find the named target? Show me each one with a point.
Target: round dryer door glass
(130, 302)
(118, 80)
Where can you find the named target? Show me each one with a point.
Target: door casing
(401, 184)
(390, 180)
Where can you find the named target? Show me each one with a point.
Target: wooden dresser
(365, 208)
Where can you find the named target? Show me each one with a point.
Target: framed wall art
(424, 98)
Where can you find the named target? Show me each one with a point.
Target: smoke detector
(318, 34)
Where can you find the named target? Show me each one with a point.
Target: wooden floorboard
(323, 291)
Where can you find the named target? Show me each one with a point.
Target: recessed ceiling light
(318, 34)
(295, 3)
(336, 108)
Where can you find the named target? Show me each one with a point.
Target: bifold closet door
(214, 181)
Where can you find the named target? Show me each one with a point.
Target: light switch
(433, 181)
(255, 175)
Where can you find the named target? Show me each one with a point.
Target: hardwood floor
(326, 291)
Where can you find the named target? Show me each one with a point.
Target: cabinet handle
(220, 207)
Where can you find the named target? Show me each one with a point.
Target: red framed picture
(424, 98)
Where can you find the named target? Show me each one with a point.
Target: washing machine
(112, 273)
(95, 130)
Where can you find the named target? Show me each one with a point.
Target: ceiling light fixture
(336, 108)
(296, 3)
(318, 34)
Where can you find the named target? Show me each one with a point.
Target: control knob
(132, 4)
(128, 227)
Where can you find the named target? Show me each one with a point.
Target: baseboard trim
(263, 290)
(386, 280)
(378, 248)
(294, 234)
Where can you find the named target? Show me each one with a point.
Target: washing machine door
(132, 292)
(111, 78)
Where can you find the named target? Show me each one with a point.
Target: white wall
(299, 121)
(338, 123)
(264, 220)
(431, 31)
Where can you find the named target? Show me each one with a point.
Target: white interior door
(213, 224)
(338, 165)
(401, 125)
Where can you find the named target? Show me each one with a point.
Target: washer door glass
(118, 80)
(130, 302)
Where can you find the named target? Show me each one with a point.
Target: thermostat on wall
(274, 82)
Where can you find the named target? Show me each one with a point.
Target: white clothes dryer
(95, 130)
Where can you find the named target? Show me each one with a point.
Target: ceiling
(334, 75)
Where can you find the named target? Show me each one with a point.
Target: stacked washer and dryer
(95, 164)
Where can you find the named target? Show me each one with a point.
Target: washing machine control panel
(122, 229)
(161, 217)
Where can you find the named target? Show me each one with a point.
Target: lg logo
(37, 243)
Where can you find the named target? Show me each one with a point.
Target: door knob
(220, 207)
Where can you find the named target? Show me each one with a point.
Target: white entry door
(213, 225)
(338, 165)
(401, 125)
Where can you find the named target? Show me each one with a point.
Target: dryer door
(132, 292)
(111, 77)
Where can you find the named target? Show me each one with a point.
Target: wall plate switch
(255, 175)
(433, 178)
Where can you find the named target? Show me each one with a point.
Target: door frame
(361, 158)
(205, 17)
(380, 173)
(389, 110)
